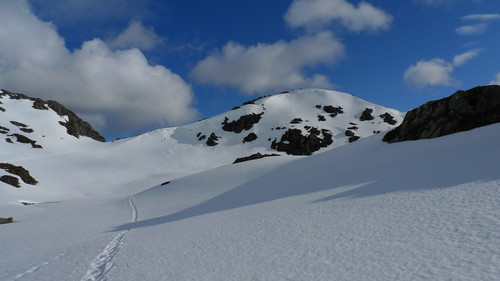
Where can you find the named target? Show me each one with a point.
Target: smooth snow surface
(422, 210)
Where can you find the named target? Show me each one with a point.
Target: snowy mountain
(168, 206)
(298, 123)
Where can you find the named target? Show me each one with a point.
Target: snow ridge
(103, 262)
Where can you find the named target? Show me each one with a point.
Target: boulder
(462, 111)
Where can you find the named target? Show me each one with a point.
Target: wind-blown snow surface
(422, 210)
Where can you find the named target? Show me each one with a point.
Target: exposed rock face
(74, 125)
(255, 156)
(294, 143)
(462, 111)
(20, 172)
(366, 115)
(10, 180)
(245, 122)
(250, 137)
(212, 139)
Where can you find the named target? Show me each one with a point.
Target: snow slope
(422, 210)
(67, 167)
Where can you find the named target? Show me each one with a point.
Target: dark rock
(9, 140)
(212, 140)
(74, 125)
(294, 143)
(366, 115)
(318, 106)
(6, 220)
(19, 171)
(18, 124)
(352, 128)
(333, 111)
(10, 180)
(389, 119)
(255, 156)
(321, 118)
(245, 122)
(4, 130)
(165, 183)
(353, 138)
(23, 139)
(296, 121)
(462, 111)
(349, 133)
(250, 137)
(2, 109)
(27, 130)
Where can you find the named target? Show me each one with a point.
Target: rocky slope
(462, 111)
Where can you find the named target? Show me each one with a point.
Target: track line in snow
(37, 267)
(103, 262)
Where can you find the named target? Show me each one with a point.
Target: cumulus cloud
(472, 29)
(270, 67)
(136, 36)
(319, 13)
(435, 72)
(116, 89)
(461, 59)
(496, 81)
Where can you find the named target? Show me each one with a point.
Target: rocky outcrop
(75, 126)
(462, 111)
(255, 156)
(20, 172)
(294, 143)
(245, 122)
(366, 115)
(212, 140)
(250, 137)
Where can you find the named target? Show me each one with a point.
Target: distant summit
(15, 106)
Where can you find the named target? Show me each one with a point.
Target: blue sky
(136, 65)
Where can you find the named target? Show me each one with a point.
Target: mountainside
(298, 123)
(170, 205)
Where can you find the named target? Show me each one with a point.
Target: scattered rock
(349, 133)
(333, 111)
(9, 140)
(165, 183)
(250, 137)
(10, 180)
(255, 156)
(354, 138)
(6, 220)
(366, 115)
(462, 111)
(2, 109)
(20, 172)
(212, 140)
(18, 124)
(294, 143)
(23, 139)
(296, 121)
(389, 119)
(245, 122)
(318, 106)
(321, 118)
(27, 130)
(353, 128)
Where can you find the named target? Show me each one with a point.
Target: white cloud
(472, 29)
(270, 67)
(435, 72)
(136, 36)
(117, 88)
(461, 59)
(318, 13)
(496, 81)
(482, 17)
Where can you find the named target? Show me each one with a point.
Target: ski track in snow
(37, 267)
(103, 262)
